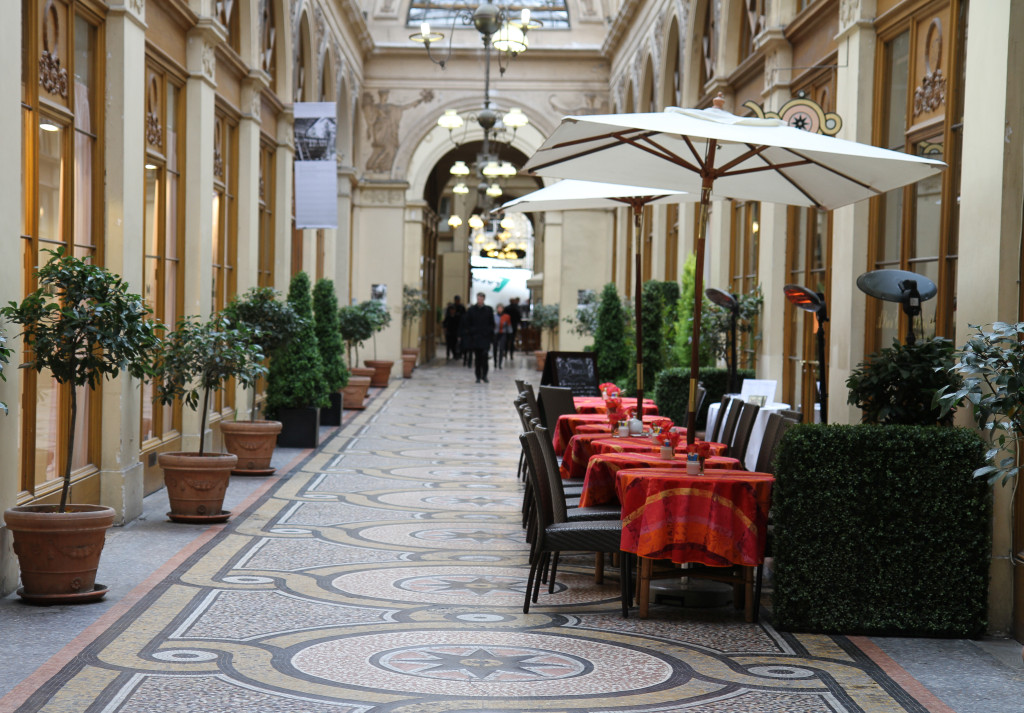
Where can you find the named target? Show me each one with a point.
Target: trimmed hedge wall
(672, 391)
(881, 530)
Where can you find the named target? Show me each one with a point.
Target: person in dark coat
(452, 317)
(479, 329)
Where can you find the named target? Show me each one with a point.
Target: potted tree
(193, 362)
(355, 328)
(271, 323)
(328, 338)
(377, 313)
(545, 318)
(81, 325)
(413, 305)
(296, 389)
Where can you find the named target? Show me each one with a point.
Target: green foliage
(413, 305)
(584, 322)
(881, 530)
(377, 313)
(355, 328)
(328, 336)
(715, 324)
(82, 325)
(296, 373)
(614, 357)
(653, 317)
(898, 384)
(198, 358)
(270, 321)
(545, 318)
(5, 356)
(670, 293)
(990, 375)
(672, 391)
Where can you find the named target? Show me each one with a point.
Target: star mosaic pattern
(386, 573)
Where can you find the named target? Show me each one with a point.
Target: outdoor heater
(908, 288)
(814, 302)
(724, 299)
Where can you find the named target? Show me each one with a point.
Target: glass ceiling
(440, 13)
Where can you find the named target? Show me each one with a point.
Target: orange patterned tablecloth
(584, 445)
(596, 404)
(599, 486)
(567, 425)
(717, 519)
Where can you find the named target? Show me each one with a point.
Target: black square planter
(300, 427)
(331, 415)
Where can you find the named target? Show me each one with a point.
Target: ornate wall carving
(382, 123)
(849, 13)
(52, 76)
(931, 93)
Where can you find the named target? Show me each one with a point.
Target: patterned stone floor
(385, 574)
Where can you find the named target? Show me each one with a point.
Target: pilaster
(121, 485)
(554, 264)
(343, 235)
(285, 182)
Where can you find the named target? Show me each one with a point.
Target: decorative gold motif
(803, 113)
(931, 94)
(154, 130)
(218, 155)
(52, 77)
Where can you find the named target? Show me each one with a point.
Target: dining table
(597, 404)
(567, 424)
(718, 519)
(583, 446)
(599, 481)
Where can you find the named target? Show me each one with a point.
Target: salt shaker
(692, 464)
(668, 453)
(623, 429)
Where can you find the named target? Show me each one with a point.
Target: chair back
(741, 436)
(531, 400)
(702, 394)
(728, 415)
(524, 414)
(521, 385)
(538, 488)
(551, 472)
(555, 401)
(772, 434)
(792, 415)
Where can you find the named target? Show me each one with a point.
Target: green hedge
(881, 530)
(672, 391)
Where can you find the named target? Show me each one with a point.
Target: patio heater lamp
(724, 299)
(908, 288)
(810, 301)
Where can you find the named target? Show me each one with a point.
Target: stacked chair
(554, 401)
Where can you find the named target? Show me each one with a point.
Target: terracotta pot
(408, 364)
(541, 358)
(196, 485)
(355, 392)
(381, 371)
(411, 352)
(59, 552)
(362, 371)
(253, 442)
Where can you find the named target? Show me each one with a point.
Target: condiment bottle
(623, 429)
(668, 453)
(692, 464)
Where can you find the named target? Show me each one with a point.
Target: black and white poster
(316, 172)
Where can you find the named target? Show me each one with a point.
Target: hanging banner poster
(316, 171)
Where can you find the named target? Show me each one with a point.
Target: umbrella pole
(638, 305)
(698, 298)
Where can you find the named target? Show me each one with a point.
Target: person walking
(502, 330)
(515, 316)
(479, 330)
(452, 317)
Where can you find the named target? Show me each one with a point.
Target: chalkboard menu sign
(576, 370)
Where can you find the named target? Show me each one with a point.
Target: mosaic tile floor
(386, 573)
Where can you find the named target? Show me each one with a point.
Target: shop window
(751, 25)
(61, 208)
(265, 247)
(163, 224)
(225, 224)
(743, 259)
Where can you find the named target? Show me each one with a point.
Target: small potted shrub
(545, 318)
(377, 313)
(328, 339)
(898, 384)
(82, 326)
(271, 322)
(355, 328)
(296, 388)
(193, 362)
(413, 305)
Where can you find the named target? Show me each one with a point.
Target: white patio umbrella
(571, 194)
(743, 158)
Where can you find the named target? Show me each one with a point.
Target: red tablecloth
(599, 486)
(567, 425)
(596, 404)
(646, 445)
(584, 445)
(717, 519)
